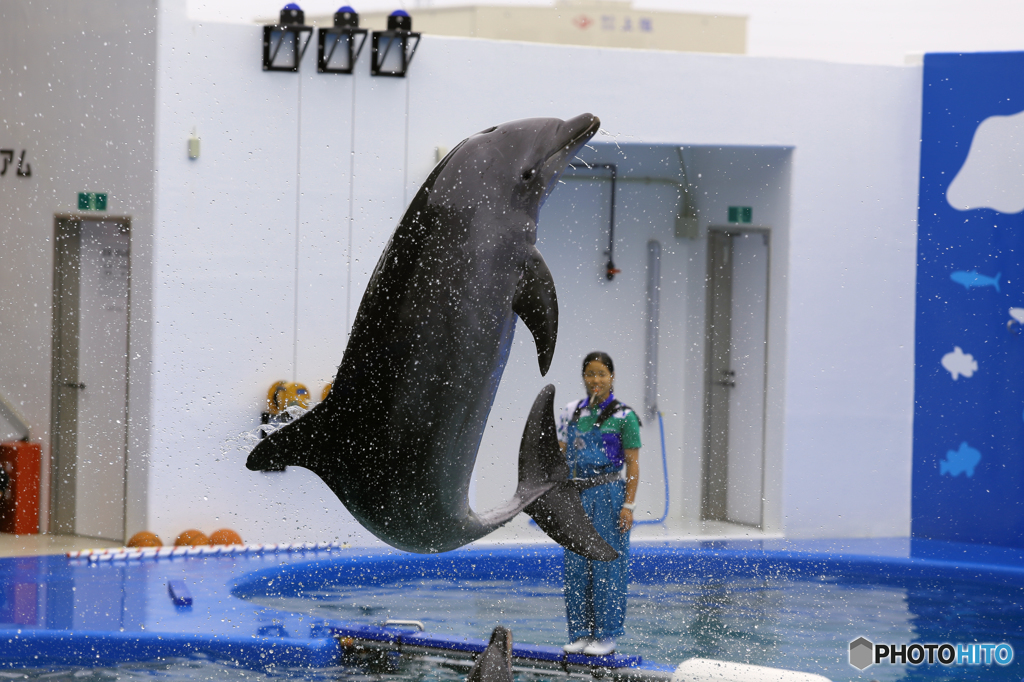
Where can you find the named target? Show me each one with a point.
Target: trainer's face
(598, 381)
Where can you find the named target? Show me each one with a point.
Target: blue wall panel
(968, 472)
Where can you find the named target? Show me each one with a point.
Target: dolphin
(494, 664)
(398, 434)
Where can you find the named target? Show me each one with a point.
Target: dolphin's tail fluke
(544, 491)
(559, 511)
(291, 445)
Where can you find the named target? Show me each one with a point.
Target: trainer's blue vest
(595, 591)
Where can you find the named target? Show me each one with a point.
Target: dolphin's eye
(528, 175)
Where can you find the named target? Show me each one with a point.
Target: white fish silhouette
(958, 362)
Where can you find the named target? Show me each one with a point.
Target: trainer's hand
(625, 520)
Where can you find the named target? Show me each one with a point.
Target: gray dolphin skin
(398, 434)
(494, 664)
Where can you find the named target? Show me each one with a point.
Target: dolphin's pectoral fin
(558, 510)
(536, 304)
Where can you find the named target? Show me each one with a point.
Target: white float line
(122, 554)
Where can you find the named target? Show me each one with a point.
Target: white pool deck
(518, 533)
(35, 545)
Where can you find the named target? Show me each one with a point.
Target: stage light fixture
(339, 47)
(285, 42)
(392, 50)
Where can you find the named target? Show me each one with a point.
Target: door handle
(726, 383)
(78, 385)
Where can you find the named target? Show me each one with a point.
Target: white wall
(76, 92)
(595, 314)
(231, 316)
(231, 313)
(758, 177)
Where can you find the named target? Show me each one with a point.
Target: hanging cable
(664, 473)
(610, 269)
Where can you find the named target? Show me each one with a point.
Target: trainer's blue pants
(595, 591)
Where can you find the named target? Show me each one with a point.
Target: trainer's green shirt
(623, 422)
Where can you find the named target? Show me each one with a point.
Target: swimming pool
(789, 604)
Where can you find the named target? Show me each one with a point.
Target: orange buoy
(225, 536)
(145, 539)
(191, 538)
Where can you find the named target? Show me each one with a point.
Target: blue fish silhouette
(972, 279)
(960, 461)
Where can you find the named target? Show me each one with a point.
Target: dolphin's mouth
(575, 133)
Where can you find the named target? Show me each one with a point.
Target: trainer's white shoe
(578, 646)
(600, 647)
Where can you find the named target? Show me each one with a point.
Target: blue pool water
(786, 621)
(268, 615)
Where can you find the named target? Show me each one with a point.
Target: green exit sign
(741, 214)
(92, 201)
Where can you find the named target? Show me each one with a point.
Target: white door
(736, 333)
(747, 360)
(91, 377)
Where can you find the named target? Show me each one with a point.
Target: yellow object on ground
(285, 394)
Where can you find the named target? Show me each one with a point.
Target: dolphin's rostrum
(398, 434)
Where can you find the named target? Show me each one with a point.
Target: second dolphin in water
(494, 664)
(397, 437)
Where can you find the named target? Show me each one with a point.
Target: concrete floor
(33, 545)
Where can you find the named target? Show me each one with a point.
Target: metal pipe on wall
(653, 319)
(609, 270)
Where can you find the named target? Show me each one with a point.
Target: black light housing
(338, 48)
(285, 42)
(393, 49)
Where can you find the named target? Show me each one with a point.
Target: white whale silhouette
(993, 173)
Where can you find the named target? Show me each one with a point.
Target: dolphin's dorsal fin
(536, 304)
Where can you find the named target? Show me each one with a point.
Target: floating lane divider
(124, 554)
